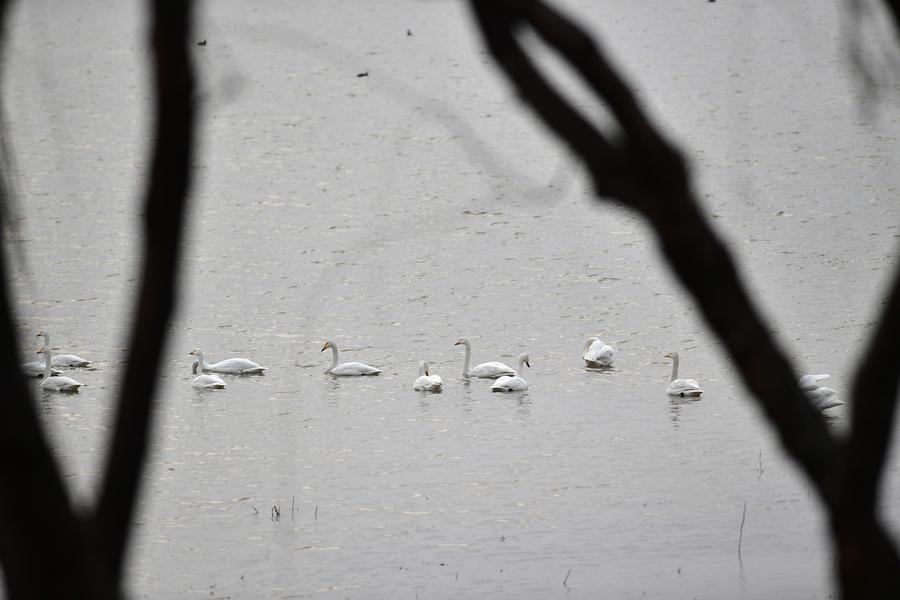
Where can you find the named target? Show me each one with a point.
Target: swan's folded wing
(355, 368)
(491, 369)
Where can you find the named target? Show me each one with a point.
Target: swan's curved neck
(47, 360)
(334, 355)
(587, 345)
(521, 368)
(200, 362)
(674, 368)
(46, 337)
(421, 368)
(468, 358)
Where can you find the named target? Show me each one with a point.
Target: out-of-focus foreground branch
(164, 209)
(638, 167)
(49, 550)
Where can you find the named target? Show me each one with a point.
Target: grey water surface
(397, 212)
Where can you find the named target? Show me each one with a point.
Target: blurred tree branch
(638, 167)
(59, 553)
(164, 209)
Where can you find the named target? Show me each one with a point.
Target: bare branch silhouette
(164, 208)
(639, 168)
(643, 171)
(30, 482)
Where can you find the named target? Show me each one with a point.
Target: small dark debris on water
(363, 74)
(201, 43)
(408, 32)
(276, 513)
(566, 579)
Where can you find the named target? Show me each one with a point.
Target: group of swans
(35, 368)
(51, 378)
(508, 379)
(232, 366)
(822, 398)
(596, 354)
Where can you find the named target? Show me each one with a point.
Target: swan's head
(326, 346)
(672, 355)
(194, 353)
(523, 358)
(42, 350)
(461, 342)
(40, 333)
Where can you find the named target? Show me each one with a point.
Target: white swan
(63, 360)
(488, 370)
(822, 398)
(235, 366)
(514, 383)
(597, 354)
(426, 382)
(681, 387)
(347, 368)
(57, 384)
(811, 382)
(35, 369)
(208, 382)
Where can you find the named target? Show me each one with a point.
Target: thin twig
(741, 534)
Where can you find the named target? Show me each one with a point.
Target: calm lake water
(397, 212)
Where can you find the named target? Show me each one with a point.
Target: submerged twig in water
(759, 476)
(566, 579)
(276, 513)
(741, 534)
(316, 513)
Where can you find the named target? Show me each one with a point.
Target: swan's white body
(597, 354)
(208, 382)
(681, 387)
(513, 383)
(426, 382)
(822, 398)
(488, 370)
(51, 382)
(811, 382)
(234, 366)
(347, 369)
(35, 369)
(63, 360)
